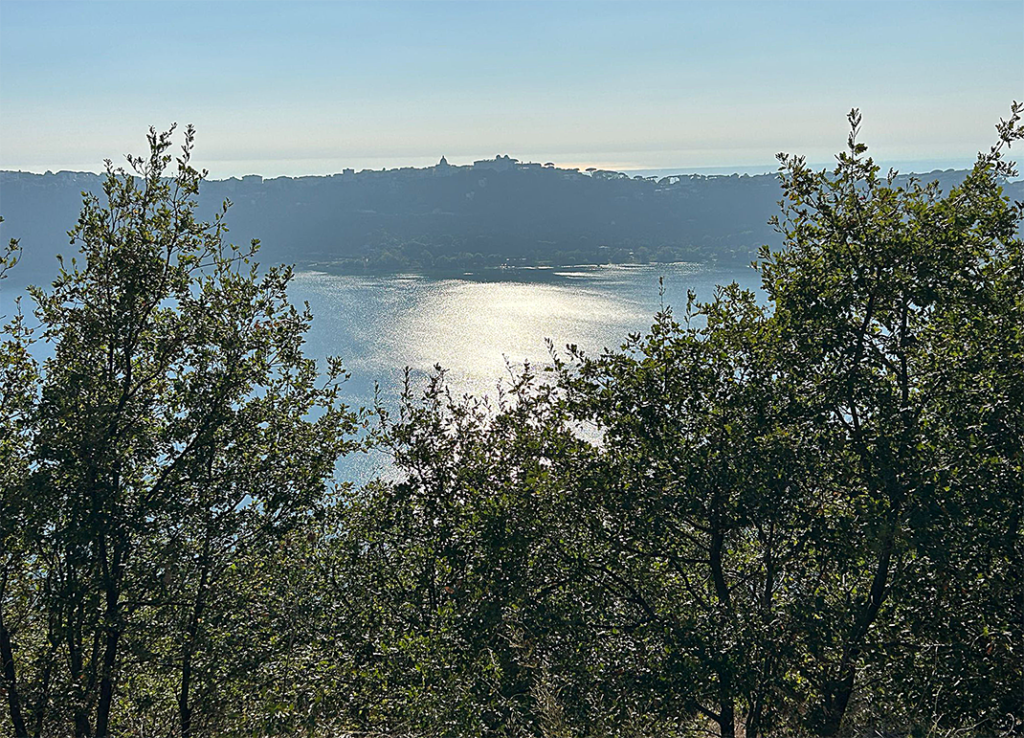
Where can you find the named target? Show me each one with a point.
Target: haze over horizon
(311, 88)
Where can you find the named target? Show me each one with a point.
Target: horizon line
(927, 166)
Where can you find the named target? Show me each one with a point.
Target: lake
(478, 325)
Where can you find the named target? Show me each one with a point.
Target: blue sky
(309, 88)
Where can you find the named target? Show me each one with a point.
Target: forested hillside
(450, 218)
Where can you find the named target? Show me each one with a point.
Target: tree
(18, 380)
(177, 427)
(698, 502)
(818, 505)
(899, 308)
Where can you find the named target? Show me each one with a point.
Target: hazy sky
(309, 88)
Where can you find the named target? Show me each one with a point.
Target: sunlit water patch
(480, 325)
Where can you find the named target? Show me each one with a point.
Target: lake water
(478, 325)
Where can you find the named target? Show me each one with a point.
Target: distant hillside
(444, 217)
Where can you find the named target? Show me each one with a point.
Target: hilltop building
(499, 163)
(443, 168)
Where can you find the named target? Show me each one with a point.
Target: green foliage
(176, 431)
(900, 309)
(799, 517)
(18, 381)
(440, 567)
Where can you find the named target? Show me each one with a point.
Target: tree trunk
(835, 701)
(726, 698)
(836, 694)
(115, 628)
(107, 683)
(39, 716)
(189, 647)
(727, 724)
(83, 728)
(10, 681)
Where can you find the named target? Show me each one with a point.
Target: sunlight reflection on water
(471, 328)
(478, 326)
(474, 326)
